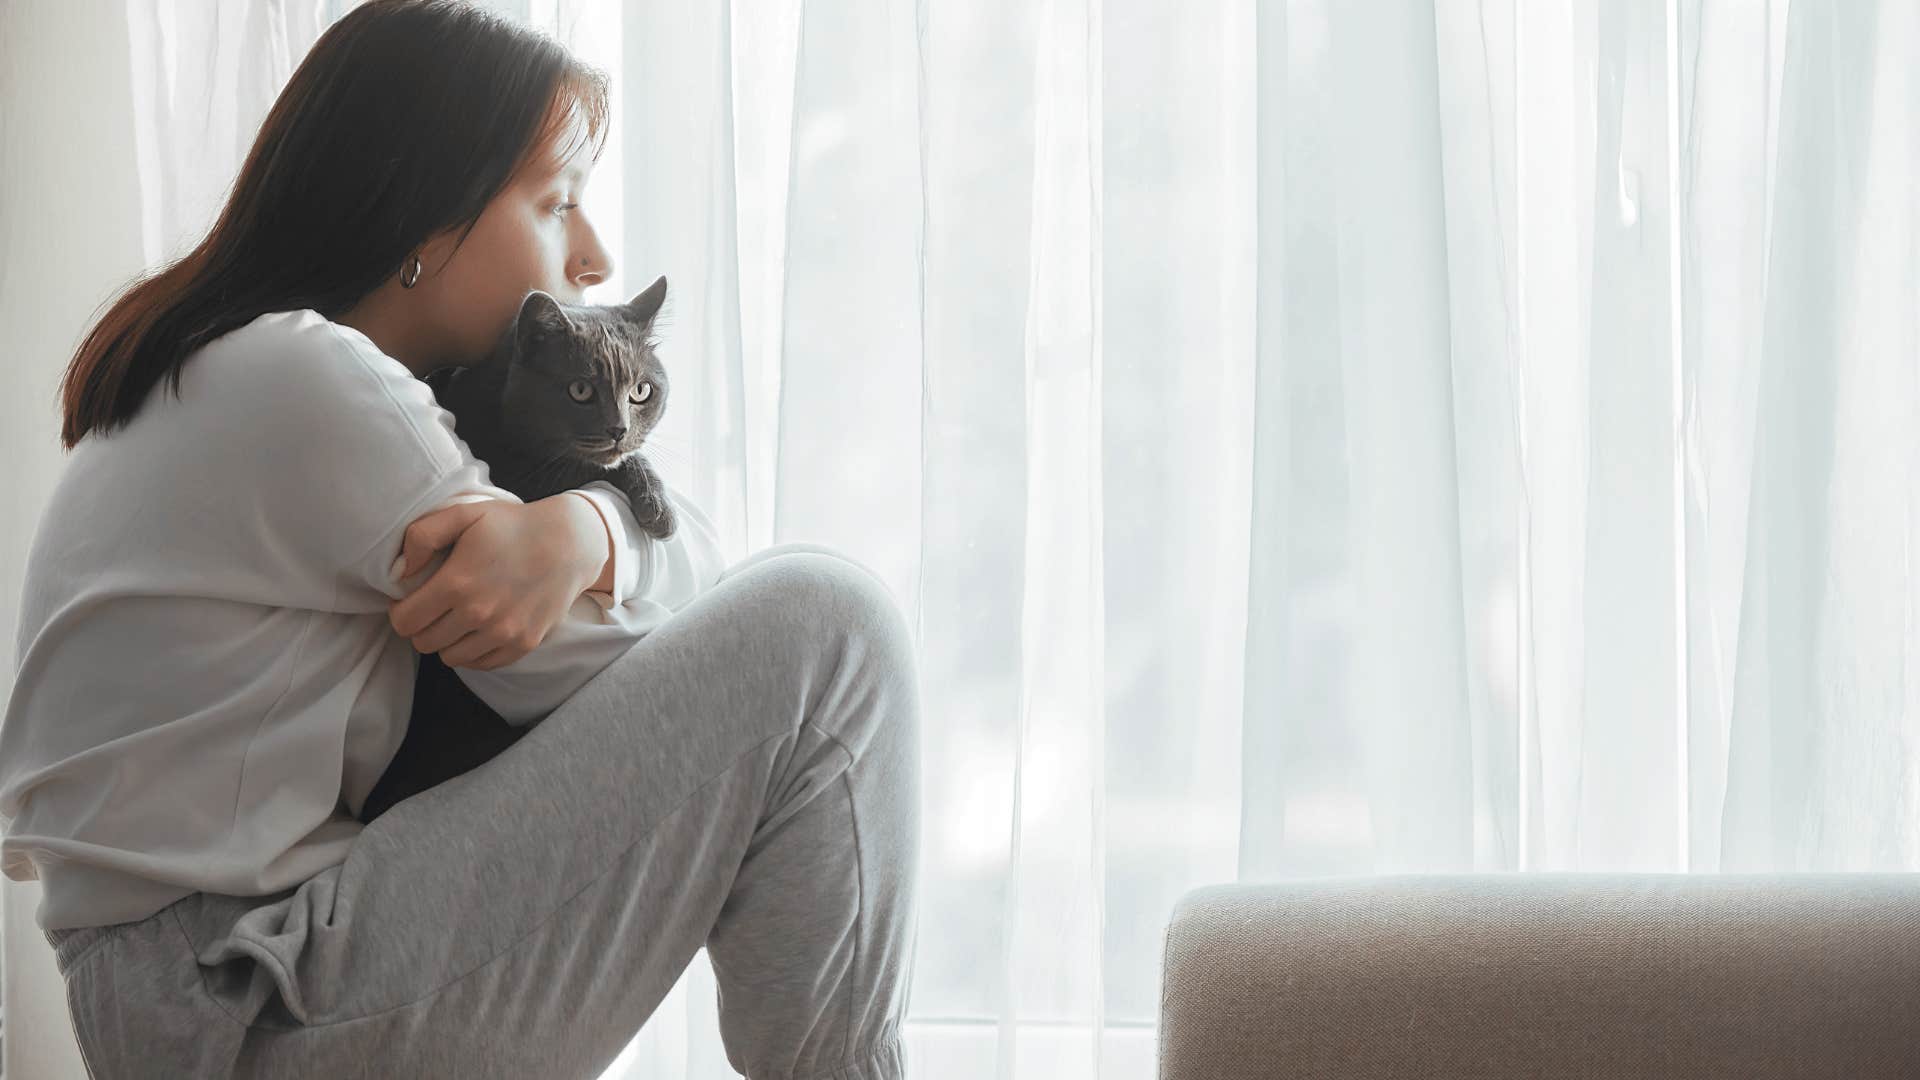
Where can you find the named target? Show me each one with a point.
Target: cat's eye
(642, 394)
(580, 390)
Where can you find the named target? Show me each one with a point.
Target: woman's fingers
(431, 532)
(446, 631)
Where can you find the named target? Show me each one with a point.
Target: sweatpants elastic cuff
(886, 1061)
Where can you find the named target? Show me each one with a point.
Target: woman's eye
(580, 390)
(566, 206)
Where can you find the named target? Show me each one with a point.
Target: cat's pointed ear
(644, 307)
(540, 318)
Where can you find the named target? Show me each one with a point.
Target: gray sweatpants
(746, 777)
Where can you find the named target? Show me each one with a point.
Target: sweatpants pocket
(139, 1009)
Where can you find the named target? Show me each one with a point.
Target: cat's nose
(617, 432)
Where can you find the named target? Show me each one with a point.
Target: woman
(228, 591)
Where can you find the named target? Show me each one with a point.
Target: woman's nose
(594, 265)
(587, 272)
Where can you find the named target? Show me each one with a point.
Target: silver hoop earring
(407, 279)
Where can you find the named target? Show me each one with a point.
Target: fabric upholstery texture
(1755, 976)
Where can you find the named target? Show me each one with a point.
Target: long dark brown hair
(406, 118)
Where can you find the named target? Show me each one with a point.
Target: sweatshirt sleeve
(629, 547)
(672, 571)
(392, 457)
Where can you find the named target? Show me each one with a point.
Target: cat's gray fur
(563, 379)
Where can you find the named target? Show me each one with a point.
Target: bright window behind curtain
(1310, 438)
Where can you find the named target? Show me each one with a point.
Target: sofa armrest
(1754, 976)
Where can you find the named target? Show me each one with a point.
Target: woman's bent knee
(832, 589)
(854, 614)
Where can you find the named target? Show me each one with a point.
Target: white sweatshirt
(206, 682)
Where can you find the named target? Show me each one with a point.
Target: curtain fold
(1731, 60)
(1821, 743)
(1308, 438)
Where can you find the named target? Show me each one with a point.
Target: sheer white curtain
(1310, 437)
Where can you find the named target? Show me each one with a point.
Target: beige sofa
(1497, 976)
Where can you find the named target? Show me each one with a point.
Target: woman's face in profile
(535, 234)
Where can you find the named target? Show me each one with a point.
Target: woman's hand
(514, 571)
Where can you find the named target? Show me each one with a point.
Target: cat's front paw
(647, 495)
(656, 517)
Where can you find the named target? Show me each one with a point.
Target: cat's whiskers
(663, 450)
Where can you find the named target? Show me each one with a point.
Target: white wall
(69, 238)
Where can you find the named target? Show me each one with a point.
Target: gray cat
(567, 396)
